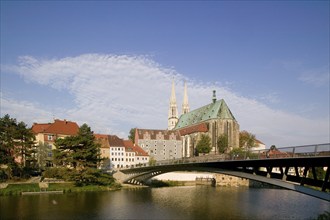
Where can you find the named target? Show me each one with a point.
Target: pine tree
(7, 140)
(79, 151)
(16, 141)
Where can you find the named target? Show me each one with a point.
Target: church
(184, 132)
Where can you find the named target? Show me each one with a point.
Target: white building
(125, 154)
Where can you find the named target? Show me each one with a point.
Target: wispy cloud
(316, 77)
(115, 93)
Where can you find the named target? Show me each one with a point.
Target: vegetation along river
(188, 202)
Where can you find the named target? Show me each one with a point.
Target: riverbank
(66, 187)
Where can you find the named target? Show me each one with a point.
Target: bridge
(294, 168)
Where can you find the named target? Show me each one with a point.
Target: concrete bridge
(293, 168)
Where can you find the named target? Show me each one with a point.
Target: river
(188, 202)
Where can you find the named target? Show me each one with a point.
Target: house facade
(159, 144)
(47, 133)
(125, 154)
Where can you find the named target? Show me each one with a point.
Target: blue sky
(110, 64)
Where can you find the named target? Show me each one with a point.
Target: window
(50, 137)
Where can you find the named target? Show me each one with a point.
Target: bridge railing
(285, 152)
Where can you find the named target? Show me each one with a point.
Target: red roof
(115, 141)
(40, 128)
(57, 127)
(103, 139)
(129, 146)
(193, 129)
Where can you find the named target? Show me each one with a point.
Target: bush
(3, 175)
(92, 176)
(59, 173)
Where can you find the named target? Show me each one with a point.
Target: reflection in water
(200, 202)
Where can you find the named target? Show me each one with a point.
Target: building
(117, 152)
(103, 141)
(173, 110)
(135, 155)
(47, 133)
(159, 144)
(125, 154)
(259, 146)
(214, 119)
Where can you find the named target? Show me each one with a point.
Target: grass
(17, 189)
(70, 187)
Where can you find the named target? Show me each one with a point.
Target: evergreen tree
(16, 141)
(25, 148)
(7, 139)
(204, 144)
(79, 151)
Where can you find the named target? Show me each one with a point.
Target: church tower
(173, 110)
(185, 105)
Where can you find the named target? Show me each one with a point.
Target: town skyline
(113, 69)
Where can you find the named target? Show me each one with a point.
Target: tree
(204, 144)
(79, 151)
(131, 135)
(222, 143)
(16, 141)
(247, 140)
(25, 148)
(7, 139)
(44, 155)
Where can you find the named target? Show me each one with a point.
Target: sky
(110, 64)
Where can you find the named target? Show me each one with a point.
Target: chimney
(214, 98)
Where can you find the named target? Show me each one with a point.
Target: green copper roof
(216, 110)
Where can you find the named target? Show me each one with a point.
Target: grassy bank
(17, 189)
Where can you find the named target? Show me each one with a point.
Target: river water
(188, 202)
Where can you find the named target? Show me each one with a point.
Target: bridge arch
(258, 170)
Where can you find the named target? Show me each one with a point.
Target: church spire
(185, 104)
(173, 110)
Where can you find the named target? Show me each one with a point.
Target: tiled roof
(57, 127)
(40, 128)
(216, 110)
(140, 133)
(130, 147)
(103, 139)
(115, 141)
(192, 129)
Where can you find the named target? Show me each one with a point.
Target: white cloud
(23, 111)
(316, 77)
(115, 93)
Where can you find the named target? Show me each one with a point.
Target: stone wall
(225, 180)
